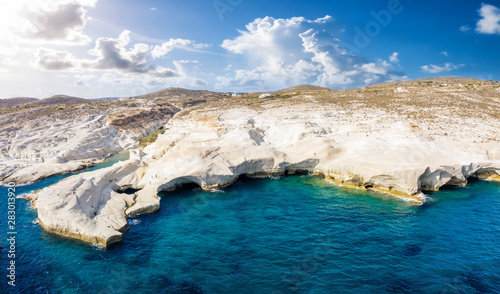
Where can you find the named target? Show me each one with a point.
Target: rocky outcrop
(397, 143)
(371, 151)
(93, 209)
(142, 122)
(41, 143)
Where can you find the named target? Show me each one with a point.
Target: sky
(118, 48)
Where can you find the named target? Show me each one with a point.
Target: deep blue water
(294, 234)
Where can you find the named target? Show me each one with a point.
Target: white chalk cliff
(36, 146)
(401, 149)
(213, 147)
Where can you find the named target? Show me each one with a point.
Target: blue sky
(101, 48)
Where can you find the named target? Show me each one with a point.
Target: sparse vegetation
(421, 99)
(150, 139)
(284, 96)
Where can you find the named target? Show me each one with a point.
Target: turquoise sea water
(296, 234)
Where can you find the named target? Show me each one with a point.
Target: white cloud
(124, 64)
(166, 47)
(437, 69)
(261, 78)
(144, 84)
(187, 66)
(490, 21)
(267, 39)
(373, 68)
(153, 9)
(394, 57)
(188, 71)
(285, 52)
(52, 21)
(465, 28)
(110, 54)
(445, 53)
(50, 59)
(321, 20)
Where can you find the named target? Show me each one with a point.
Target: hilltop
(10, 102)
(61, 99)
(303, 89)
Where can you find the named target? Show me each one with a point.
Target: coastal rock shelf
(212, 148)
(375, 139)
(42, 142)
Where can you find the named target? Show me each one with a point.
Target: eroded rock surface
(46, 141)
(400, 144)
(213, 148)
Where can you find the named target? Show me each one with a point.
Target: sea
(293, 234)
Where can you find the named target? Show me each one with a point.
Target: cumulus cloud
(284, 52)
(188, 71)
(50, 59)
(437, 69)
(110, 54)
(445, 53)
(55, 21)
(261, 78)
(187, 66)
(490, 20)
(168, 46)
(122, 63)
(394, 57)
(268, 38)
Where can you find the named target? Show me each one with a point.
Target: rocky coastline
(377, 139)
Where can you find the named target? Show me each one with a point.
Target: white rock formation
(372, 150)
(38, 150)
(47, 145)
(93, 210)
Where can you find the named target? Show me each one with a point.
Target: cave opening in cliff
(243, 179)
(188, 186)
(181, 187)
(454, 183)
(299, 172)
